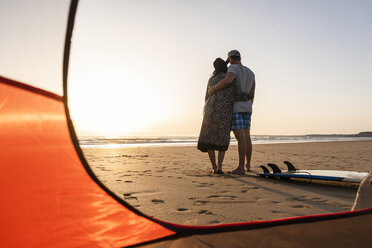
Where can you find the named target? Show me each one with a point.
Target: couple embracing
(228, 106)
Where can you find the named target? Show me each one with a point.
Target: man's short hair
(234, 54)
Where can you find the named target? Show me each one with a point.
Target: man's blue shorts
(241, 120)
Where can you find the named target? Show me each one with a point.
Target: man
(241, 119)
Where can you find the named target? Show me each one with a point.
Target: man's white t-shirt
(245, 78)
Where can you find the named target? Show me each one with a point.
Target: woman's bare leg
(221, 156)
(212, 158)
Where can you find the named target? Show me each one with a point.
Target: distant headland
(361, 134)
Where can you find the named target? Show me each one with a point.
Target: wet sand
(176, 183)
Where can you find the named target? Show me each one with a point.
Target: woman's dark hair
(220, 66)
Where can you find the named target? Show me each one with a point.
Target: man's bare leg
(221, 155)
(248, 153)
(212, 158)
(240, 137)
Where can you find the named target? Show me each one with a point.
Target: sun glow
(113, 102)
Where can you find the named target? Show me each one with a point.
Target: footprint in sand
(224, 196)
(299, 206)
(128, 181)
(201, 202)
(276, 212)
(213, 222)
(206, 212)
(317, 199)
(274, 202)
(157, 201)
(202, 186)
(292, 199)
(182, 209)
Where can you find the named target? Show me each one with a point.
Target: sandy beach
(176, 183)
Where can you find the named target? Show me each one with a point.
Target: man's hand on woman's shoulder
(210, 90)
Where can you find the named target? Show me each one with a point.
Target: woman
(216, 126)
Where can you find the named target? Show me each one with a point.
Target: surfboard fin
(274, 167)
(290, 166)
(265, 170)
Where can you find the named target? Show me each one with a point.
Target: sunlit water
(124, 142)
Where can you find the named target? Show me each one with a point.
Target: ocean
(123, 142)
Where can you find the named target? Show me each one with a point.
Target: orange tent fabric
(48, 198)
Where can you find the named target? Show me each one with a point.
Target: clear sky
(141, 67)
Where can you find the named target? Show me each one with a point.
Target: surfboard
(327, 175)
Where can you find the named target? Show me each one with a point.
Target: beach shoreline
(176, 184)
(87, 142)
